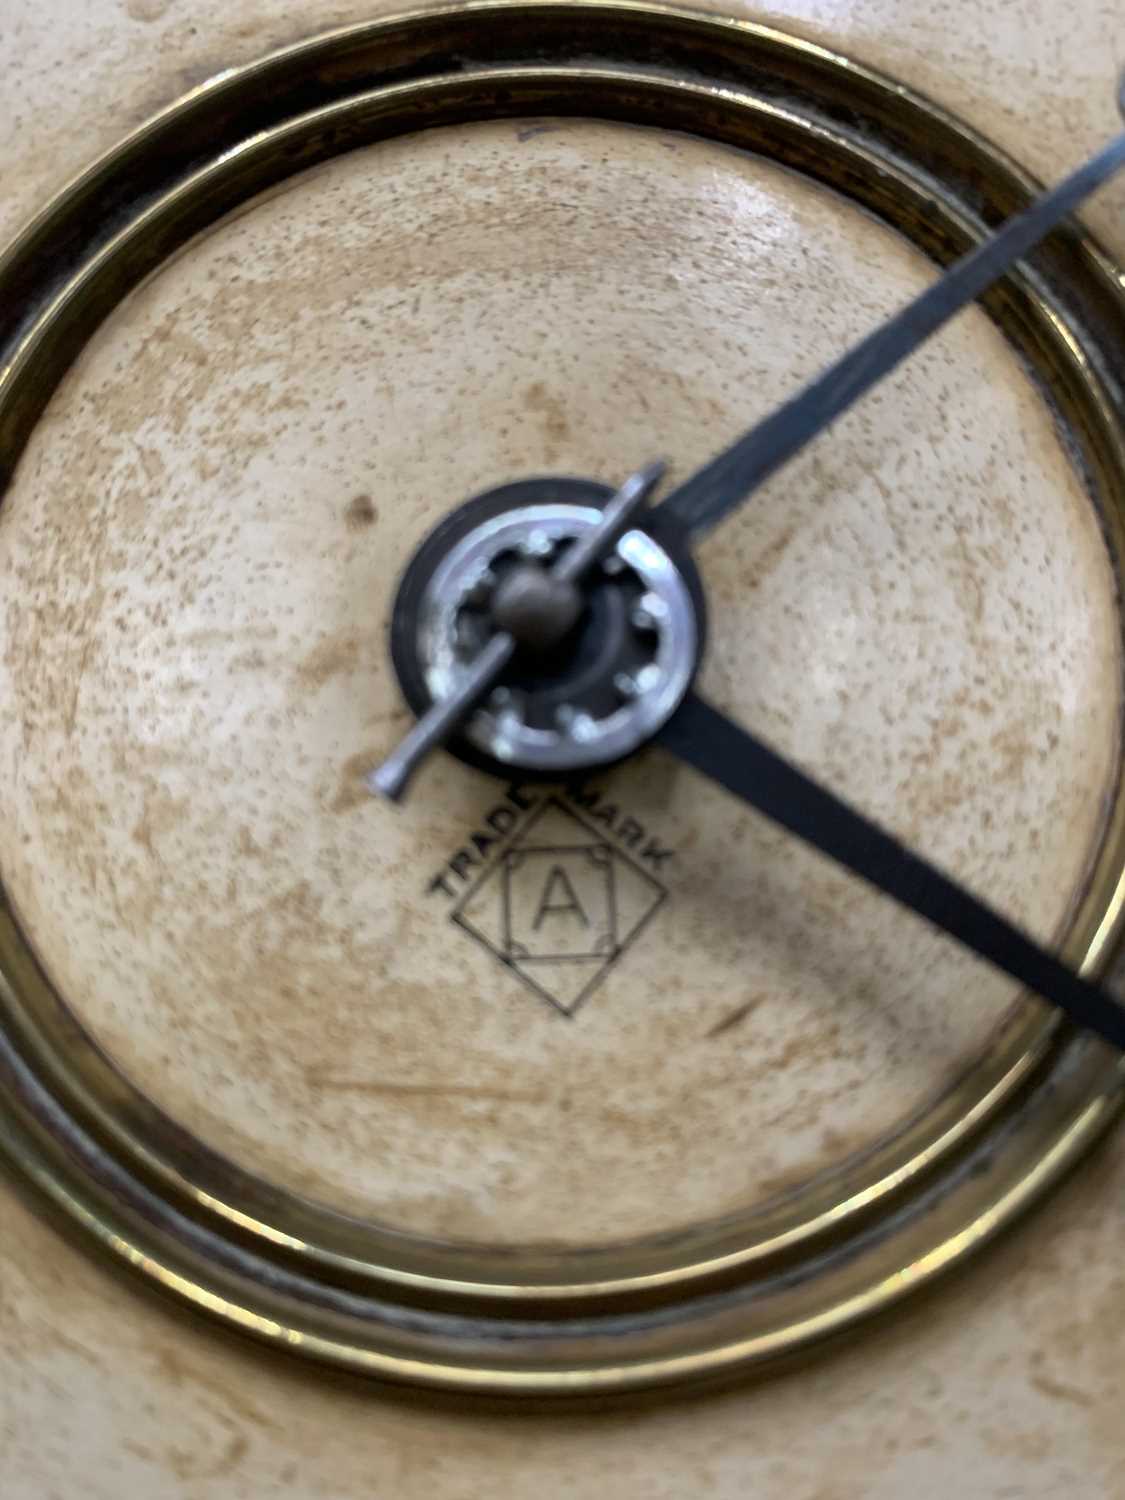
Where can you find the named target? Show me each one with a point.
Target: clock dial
(537, 1037)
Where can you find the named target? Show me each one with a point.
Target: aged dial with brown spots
(572, 1071)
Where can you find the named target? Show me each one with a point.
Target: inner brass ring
(715, 1297)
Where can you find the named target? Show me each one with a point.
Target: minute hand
(733, 475)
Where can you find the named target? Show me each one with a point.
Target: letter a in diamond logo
(560, 906)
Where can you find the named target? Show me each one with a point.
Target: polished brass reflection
(720, 1296)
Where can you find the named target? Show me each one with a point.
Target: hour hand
(710, 742)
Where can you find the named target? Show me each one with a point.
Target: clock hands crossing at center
(702, 737)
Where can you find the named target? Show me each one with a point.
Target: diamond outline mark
(498, 867)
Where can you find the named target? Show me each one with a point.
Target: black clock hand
(733, 475)
(710, 742)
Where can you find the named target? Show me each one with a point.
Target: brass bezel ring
(715, 1298)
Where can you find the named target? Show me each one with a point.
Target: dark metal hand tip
(731, 756)
(703, 500)
(704, 738)
(391, 779)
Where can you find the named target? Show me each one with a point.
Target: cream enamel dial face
(611, 1045)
